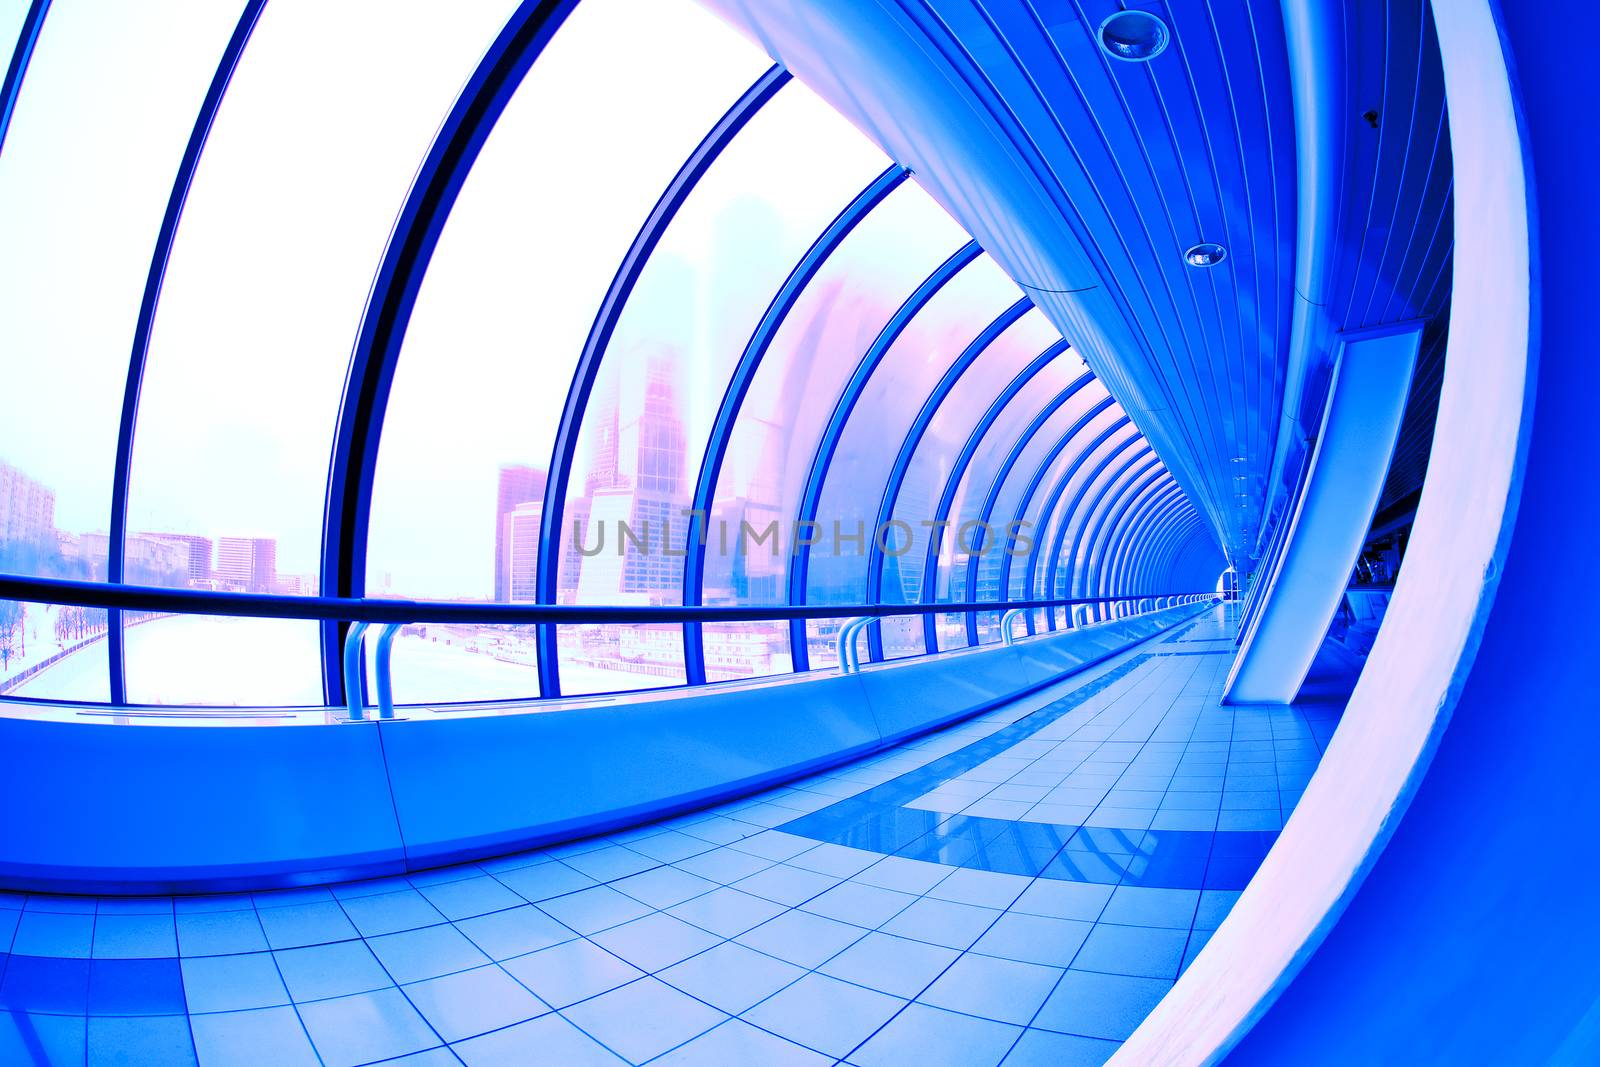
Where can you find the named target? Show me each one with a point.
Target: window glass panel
(765, 200)
(792, 395)
(53, 652)
(933, 339)
(205, 659)
(501, 318)
(1062, 513)
(331, 110)
(12, 15)
(87, 168)
(1040, 522)
(948, 432)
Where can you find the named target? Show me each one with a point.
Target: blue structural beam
(393, 296)
(908, 449)
(1344, 478)
(17, 68)
(594, 348)
(930, 570)
(1047, 510)
(1130, 480)
(733, 400)
(1132, 514)
(116, 544)
(811, 495)
(1134, 538)
(1072, 517)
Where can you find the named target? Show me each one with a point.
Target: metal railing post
(352, 671)
(1006, 636)
(384, 655)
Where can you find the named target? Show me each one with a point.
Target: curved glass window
(643, 438)
(513, 287)
(872, 272)
(328, 114)
(932, 463)
(1049, 571)
(85, 175)
(53, 652)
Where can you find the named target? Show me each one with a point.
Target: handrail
(849, 655)
(1006, 636)
(78, 593)
(352, 671)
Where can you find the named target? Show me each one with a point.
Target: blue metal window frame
(908, 447)
(393, 298)
(1040, 470)
(822, 458)
(116, 547)
(744, 373)
(1048, 512)
(594, 347)
(1139, 470)
(1111, 522)
(958, 470)
(1138, 567)
(1165, 540)
(1078, 520)
(17, 67)
(1129, 534)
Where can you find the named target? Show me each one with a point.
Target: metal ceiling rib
(1087, 177)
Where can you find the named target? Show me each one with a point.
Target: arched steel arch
(1061, 508)
(17, 67)
(405, 260)
(1037, 478)
(116, 544)
(822, 458)
(1131, 542)
(1070, 514)
(1132, 503)
(1111, 533)
(1132, 467)
(1183, 530)
(1105, 512)
(908, 447)
(599, 338)
(1139, 549)
(732, 402)
(930, 573)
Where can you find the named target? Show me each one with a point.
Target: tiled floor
(1022, 888)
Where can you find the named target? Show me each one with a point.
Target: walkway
(1021, 888)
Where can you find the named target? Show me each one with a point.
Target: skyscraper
(248, 563)
(518, 485)
(520, 535)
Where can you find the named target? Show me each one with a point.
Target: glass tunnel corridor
(1021, 888)
(895, 533)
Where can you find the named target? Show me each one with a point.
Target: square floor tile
(389, 913)
(728, 912)
(219, 933)
(469, 1003)
(318, 972)
(983, 888)
(544, 881)
(824, 1014)
(860, 905)
(802, 938)
(305, 924)
(1215, 904)
(1108, 1006)
(903, 875)
(1133, 950)
(929, 1037)
(519, 930)
(731, 977)
(643, 1019)
(1034, 939)
(549, 1039)
(889, 964)
(1064, 900)
(723, 865)
(251, 1038)
(136, 987)
(64, 936)
(662, 887)
(41, 1039)
(1003, 990)
(366, 1027)
(430, 952)
(469, 897)
(737, 1042)
(1042, 1048)
(45, 985)
(1172, 909)
(140, 1042)
(942, 922)
(118, 936)
(570, 972)
(592, 910)
(232, 983)
(787, 885)
(655, 941)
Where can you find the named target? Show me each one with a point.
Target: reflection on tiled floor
(1021, 888)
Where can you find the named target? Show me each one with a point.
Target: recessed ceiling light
(1133, 36)
(1205, 254)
